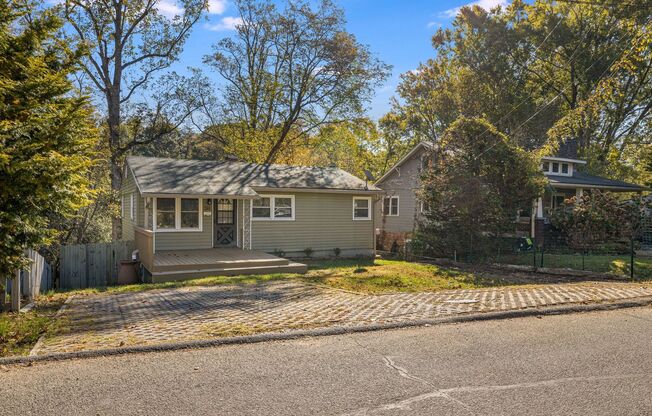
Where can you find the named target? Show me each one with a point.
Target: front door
(225, 223)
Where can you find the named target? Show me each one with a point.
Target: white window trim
(368, 218)
(398, 206)
(549, 171)
(177, 217)
(132, 206)
(272, 206)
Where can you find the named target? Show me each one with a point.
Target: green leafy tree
(543, 72)
(476, 182)
(130, 43)
(289, 72)
(46, 132)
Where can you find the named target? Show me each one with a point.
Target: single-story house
(400, 210)
(192, 218)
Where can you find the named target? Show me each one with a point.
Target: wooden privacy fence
(38, 278)
(92, 265)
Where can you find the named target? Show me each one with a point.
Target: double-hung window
(390, 206)
(189, 213)
(165, 213)
(275, 207)
(361, 208)
(178, 214)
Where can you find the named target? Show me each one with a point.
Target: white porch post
(540, 207)
(579, 192)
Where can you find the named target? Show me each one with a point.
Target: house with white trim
(192, 218)
(400, 210)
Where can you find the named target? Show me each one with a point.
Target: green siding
(129, 187)
(323, 221)
(188, 240)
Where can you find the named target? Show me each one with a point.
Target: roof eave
(403, 159)
(317, 190)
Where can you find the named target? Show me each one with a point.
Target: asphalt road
(584, 364)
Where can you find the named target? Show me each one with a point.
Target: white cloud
(216, 6)
(485, 4)
(169, 8)
(227, 23)
(430, 25)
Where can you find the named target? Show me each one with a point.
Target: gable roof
(420, 145)
(580, 179)
(156, 176)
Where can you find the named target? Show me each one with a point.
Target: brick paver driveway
(193, 313)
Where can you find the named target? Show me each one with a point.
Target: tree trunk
(113, 101)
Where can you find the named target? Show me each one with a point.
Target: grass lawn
(393, 276)
(20, 331)
(366, 276)
(617, 264)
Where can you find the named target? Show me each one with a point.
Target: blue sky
(397, 32)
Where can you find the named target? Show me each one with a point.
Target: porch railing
(144, 241)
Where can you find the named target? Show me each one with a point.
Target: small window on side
(555, 167)
(564, 168)
(546, 166)
(361, 208)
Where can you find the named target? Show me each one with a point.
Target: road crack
(445, 393)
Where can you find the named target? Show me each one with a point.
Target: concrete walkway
(199, 313)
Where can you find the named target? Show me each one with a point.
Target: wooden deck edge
(159, 277)
(227, 264)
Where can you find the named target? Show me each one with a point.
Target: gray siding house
(398, 212)
(193, 218)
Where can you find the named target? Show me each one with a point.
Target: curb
(341, 330)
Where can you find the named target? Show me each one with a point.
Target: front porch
(171, 265)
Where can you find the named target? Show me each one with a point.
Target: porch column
(579, 192)
(540, 207)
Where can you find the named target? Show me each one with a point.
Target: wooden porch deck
(187, 264)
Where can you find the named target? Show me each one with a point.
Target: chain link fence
(624, 258)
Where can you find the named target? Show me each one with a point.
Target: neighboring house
(398, 213)
(192, 218)
(566, 179)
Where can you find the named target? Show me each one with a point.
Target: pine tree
(46, 131)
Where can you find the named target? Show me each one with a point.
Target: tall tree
(288, 72)
(476, 182)
(580, 67)
(46, 131)
(130, 42)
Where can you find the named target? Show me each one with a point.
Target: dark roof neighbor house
(400, 209)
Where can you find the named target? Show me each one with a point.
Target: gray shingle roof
(581, 178)
(207, 177)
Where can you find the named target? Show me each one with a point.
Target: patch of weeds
(20, 331)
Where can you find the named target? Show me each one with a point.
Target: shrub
(597, 220)
(308, 252)
(337, 251)
(475, 184)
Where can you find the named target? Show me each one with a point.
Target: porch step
(167, 276)
(226, 264)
